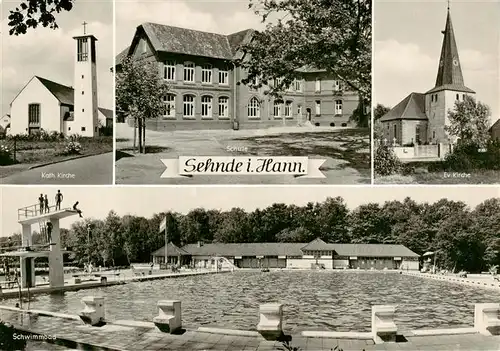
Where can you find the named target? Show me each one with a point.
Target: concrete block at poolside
(76, 281)
(383, 327)
(487, 318)
(93, 313)
(104, 280)
(169, 317)
(270, 321)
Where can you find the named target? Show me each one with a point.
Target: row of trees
(465, 238)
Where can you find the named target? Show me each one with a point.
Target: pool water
(313, 300)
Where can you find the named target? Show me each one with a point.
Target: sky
(215, 16)
(50, 53)
(96, 202)
(407, 47)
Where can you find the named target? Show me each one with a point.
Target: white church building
(46, 105)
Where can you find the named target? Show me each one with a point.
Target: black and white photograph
(436, 92)
(220, 268)
(57, 92)
(243, 80)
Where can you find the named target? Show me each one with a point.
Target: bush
(469, 157)
(5, 155)
(72, 148)
(7, 340)
(386, 162)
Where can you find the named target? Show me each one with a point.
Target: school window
(458, 97)
(298, 85)
(336, 85)
(34, 113)
(169, 71)
(83, 50)
(254, 108)
(206, 74)
(277, 109)
(169, 101)
(189, 72)
(318, 84)
(463, 97)
(299, 110)
(318, 107)
(433, 134)
(338, 107)
(206, 107)
(288, 109)
(223, 77)
(188, 106)
(223, 107)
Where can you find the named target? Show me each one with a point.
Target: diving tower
(27, 252)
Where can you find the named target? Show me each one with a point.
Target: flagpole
(166, 244)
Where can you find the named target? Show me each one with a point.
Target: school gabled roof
(187, 41)
(412, 107)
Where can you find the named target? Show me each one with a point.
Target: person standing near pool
(59, 198)
(41, 203)
(46, 203)
(49, 233)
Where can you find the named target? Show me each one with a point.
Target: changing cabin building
(314, 255)
(200, 69)
(421, 117)
(46, 105)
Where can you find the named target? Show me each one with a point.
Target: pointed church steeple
(449, 74)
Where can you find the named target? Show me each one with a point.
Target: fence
(433, 151)
(33, 211)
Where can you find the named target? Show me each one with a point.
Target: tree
(331, 35)
(31, 13)
(139, 93)
(379, 111)
(469, 122)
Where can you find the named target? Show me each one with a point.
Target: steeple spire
(449, 72)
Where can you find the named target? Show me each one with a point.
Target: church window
(206, 74)
(433, 134)
(318, 84)
(83, 50)
(417, 134)
(83, 76)
(338, 107)
(463, 97)
(288, 109)
(223, 77)
(277, 109)
(83, 129)
(83, 93)
(188, 106)
(169, 71)
(206, 107)
(169, 101)
(318, 107)
(189, 72)
(458, 97)
(395, 131)
(34, 114)
(83, 110)
(254, 108)
(223, 107)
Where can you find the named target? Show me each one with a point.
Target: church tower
(86, 119)
(448, 89)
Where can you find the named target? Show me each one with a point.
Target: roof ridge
(184, 28)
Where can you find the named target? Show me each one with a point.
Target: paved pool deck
(73, 334)
(96, 283)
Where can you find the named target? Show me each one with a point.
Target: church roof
(449, 74)
(412, 107)
(63, 93)
(107, 113)
(495, 126)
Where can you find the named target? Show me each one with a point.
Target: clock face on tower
(455, 61)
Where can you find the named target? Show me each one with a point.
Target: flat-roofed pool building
(316, 254)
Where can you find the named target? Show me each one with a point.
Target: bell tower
(449, 87)
(86, 119)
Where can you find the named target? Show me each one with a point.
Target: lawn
(36, 152)
(346, 151)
